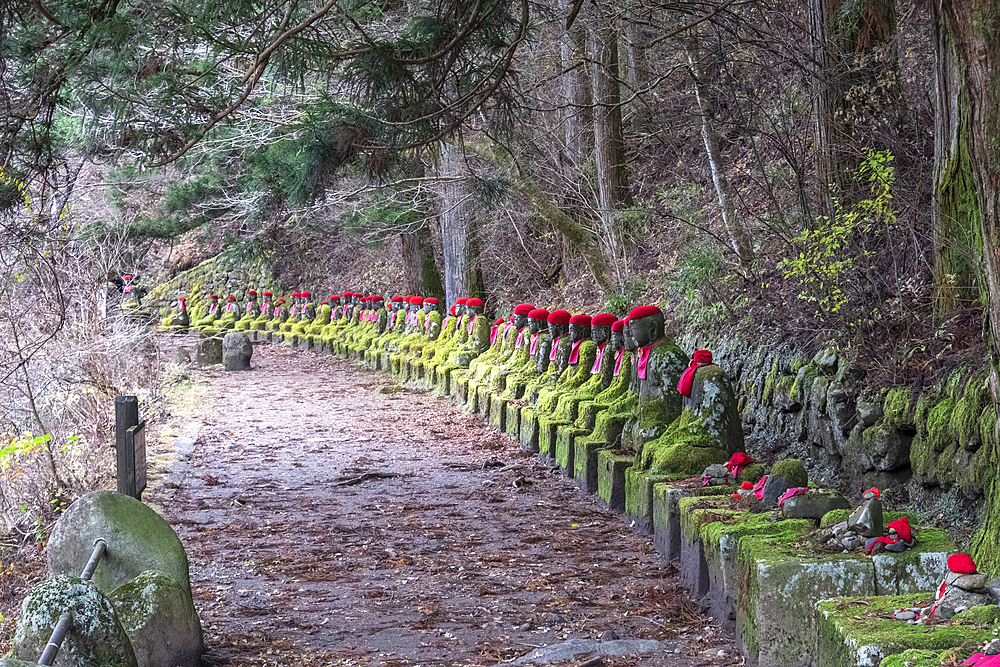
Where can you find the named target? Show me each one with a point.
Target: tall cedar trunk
(954, 210)
(638, 67)
(973, 26)
(739, 240)
(609, 143)
(420, 271)
(462, 274)
(856, 92)
(575, 95)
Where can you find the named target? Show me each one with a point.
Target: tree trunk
(739, 240)
(638, 67)
(954, 209)
(575, 95)
(420, 271)
(972, 26)
(462, 274)
(609, 143)
(856, 90)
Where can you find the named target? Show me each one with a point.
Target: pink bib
(596, 368)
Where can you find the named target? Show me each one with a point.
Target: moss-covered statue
(251, 311)
(429, 330)
(438, 354)
(214, 313)
(559, 351)
(659, 363)
(279, 315)
(708, 430)
(293, 313)
(476, 341)
(526, 366)
(577, 390)
(230, 315)
(179, 319)
(265, 315)
(575, 371)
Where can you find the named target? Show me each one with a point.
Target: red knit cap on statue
(583, 319)
(618, 325)
(306, 294)
(268, 294)
(499, 322)
(182, 298)
(324, 303)
(397, 299)
(452, 310)
(252, 292)
(127, 276)
(474, 302)
(559, 317)
(431, 300)
(603, 320)
(642, 311)
(416, 301)
(902, 528)
(961, 564)
(348, 295)
(376, 298)
(334, 297)
(538, 314)
(523, 308)
(296, 294)
(461, 302)
(231, 297)
(281, 300)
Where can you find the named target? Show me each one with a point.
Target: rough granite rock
(209, 350)
(236, 351)
(956, 599)
(867, 520)
(713, 401)
(812, 505)
(160, 620)
(138, 540)
(96, 639)
(786, 474)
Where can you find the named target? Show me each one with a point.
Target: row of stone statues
(564, 384)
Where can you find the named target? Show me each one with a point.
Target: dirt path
(332, 517)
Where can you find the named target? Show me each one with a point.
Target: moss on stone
(914, 657)
(896, 407)
(791, 470)
(985, 615)
(752, 473)
(685, 448)
(852, 623)
(834, 517)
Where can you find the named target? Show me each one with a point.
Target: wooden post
(126, 417)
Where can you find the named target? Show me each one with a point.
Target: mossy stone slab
(160, 620)
(514, 421)
(852, 632)
(585, 462)
(498, 413)
(611, 469)
(667, 520)
(639, 498)
(528, 432)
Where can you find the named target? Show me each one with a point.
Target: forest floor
(332, 517)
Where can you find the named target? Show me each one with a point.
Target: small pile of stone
(840, 537)
(899, 539)
(717, 475)
(962, 589)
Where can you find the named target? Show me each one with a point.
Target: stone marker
(138, 540)
(160, 620)
(814, 505)
(236, 351)
(867, 520)
(209, 350)
(96, 639)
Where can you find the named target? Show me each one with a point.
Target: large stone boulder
(209, 350)
(160, 620)
(96, 638)
(785, 474)
(236, 351)
(138, 540)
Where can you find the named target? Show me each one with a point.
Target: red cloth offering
(737, 463)
(596, 368)
(644, 358)
(700, 358)
(574, 353)
(619, 356)
(902, 527)
(534, 342)
(555, 346)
